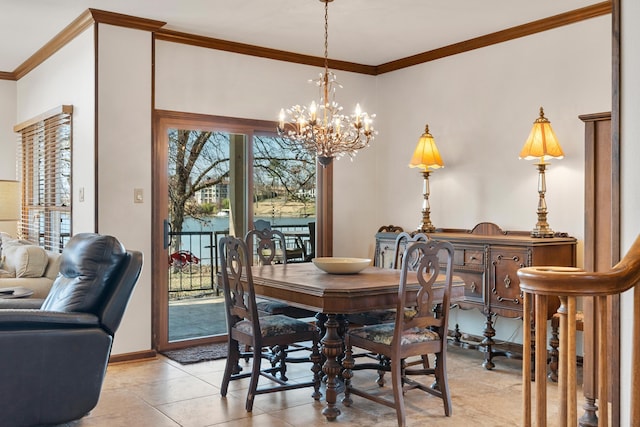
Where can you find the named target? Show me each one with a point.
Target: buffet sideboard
(487, 259)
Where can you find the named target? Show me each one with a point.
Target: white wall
(630, 199)
(480, 107)
(124, 146)
(7, 137)
(68, 78)
(124, 163)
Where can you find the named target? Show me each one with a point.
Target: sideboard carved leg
(488, 343)
(589, 418)
(457, 334)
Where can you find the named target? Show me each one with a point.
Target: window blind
(44, 169)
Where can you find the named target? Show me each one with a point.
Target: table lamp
(427, 158)
(542, 144)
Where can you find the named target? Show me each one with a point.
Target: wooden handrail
(538, 284)
(575, 282)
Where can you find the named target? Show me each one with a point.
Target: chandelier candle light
(426, 157)
(542, 144)
(321, 128)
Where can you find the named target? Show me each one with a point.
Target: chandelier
(322, 128)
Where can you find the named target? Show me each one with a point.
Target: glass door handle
(166, 229)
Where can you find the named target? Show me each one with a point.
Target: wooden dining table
(304, 285)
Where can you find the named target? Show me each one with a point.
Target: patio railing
(194, 264)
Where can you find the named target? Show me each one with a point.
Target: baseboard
(135, 356)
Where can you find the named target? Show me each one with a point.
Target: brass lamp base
(542, 228)
(426, 226)
(542, 233)
(426, 229)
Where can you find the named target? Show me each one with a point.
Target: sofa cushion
(87, 265)
(53, 265)
(24, 260)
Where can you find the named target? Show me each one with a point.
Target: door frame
(164, 120)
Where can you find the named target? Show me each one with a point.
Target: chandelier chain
(326, 37)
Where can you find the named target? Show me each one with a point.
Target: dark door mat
(197, 354)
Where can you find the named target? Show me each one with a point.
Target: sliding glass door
(211, 176)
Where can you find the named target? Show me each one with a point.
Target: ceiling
(370, 32)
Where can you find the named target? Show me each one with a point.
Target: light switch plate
(137, 195)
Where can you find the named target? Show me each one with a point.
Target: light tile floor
(161, 392)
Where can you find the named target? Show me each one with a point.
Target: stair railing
(538, 285)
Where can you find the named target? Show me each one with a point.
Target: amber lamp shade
(542, 144)
(426, 157)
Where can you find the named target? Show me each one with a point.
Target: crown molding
(7, 75)
(512, 33)
(128, 21)
(71, 31)
(262, 52)
(91, 16)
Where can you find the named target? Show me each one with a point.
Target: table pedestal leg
(332, 349)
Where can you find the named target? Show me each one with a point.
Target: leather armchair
(53, 359)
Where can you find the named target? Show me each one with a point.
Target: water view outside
(283, 193)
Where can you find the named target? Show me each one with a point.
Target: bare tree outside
(200, 159)
(197, 160)
(285, 172)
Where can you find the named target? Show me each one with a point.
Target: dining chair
(245, 327)
(266, 243)
(374, 317)
(295, 252)
(409, 336)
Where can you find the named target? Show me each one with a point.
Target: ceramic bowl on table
(338, 265)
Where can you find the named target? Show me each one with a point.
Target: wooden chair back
(428, 270)
(268, 246)
(403, 240)
(239, 294)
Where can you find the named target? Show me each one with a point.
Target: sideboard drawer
(473, 257)
(473, 285)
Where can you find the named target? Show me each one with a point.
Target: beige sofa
(23, 264)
